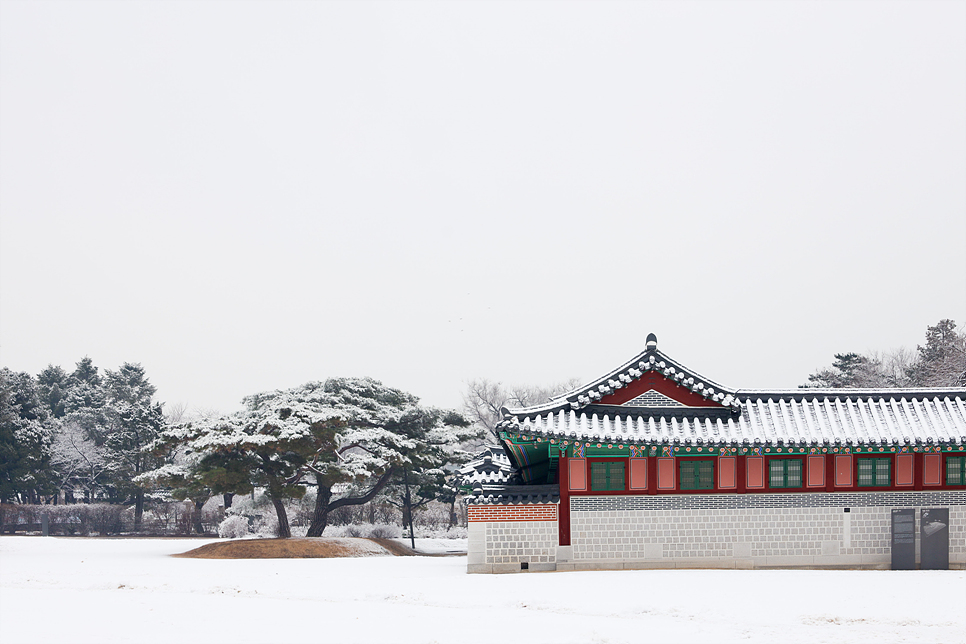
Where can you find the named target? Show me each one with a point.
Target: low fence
(172, 519)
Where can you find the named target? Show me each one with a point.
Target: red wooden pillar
(651, 475)
(829, 472)
(917, 471)
(563, 509)
(742, 474)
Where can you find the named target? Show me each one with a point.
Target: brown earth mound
(402, 550)
(289, 549)
(395, 547)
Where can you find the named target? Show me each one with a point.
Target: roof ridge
(651, 359)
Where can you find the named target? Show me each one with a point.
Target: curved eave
(870, 417)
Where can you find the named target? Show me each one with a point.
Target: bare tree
(896, 365)
(484, 399)
(175, 413)
(77, 459)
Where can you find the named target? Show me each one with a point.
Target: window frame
(784, 461)
(696, 477)
(876, 462)
(962, 469)
(608, 464)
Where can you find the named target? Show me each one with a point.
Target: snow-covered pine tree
(942, 361)
(25, 438)
(134, 423)
(80, 456)
(384, 432)
(429, 473)
(328, 434)
(52, 385)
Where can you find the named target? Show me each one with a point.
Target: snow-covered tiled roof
(651, 360)
(490, 466)
(801, 416)
(513, 494)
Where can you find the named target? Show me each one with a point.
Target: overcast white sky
(247, 196)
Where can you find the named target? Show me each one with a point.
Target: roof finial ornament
(651, 342)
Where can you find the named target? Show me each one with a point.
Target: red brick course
(493, 513)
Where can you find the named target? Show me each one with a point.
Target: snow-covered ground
(436, 546)
(130, 590)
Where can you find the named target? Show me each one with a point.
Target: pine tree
(333, 434)
(52, 385)
(134, 423)
(81, 456)
(942, 361)
(25, 440)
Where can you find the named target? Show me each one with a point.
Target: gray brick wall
(653, 399)
(767, 529)
(519, 541)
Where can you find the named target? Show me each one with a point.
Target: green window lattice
(785, 472)
(697, 475)
(606, 476)
(875, 472)
(956, 470)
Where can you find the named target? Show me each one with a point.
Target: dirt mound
(289, 549)
(395, 547)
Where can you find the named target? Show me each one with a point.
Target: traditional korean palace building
(656, 466)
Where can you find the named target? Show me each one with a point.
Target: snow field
(437, 546)
(123, 590)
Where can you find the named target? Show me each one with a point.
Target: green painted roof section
(535, 456)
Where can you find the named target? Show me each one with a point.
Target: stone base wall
(813, 530)
(504, 538)
(749, 531)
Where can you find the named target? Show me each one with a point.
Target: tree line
(940, 362)
(79, 433)
(87, 436)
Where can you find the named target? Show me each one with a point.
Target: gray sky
(247, 196)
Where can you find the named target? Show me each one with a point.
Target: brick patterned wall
(517, 541)
(607, 528)
(757, 500)
(871, 531)
(531, 512)
(653, 399)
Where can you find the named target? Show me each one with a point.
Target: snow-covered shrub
(66, 519)
(375, 530)
(456, 532)
(423, 532)
(260, 513)
(183, 517)
(17, 514)
(106, 519)
(343, 515)
(301, 514)
(433, 516)
(266, 525)
(385, 532)
(233, 527)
